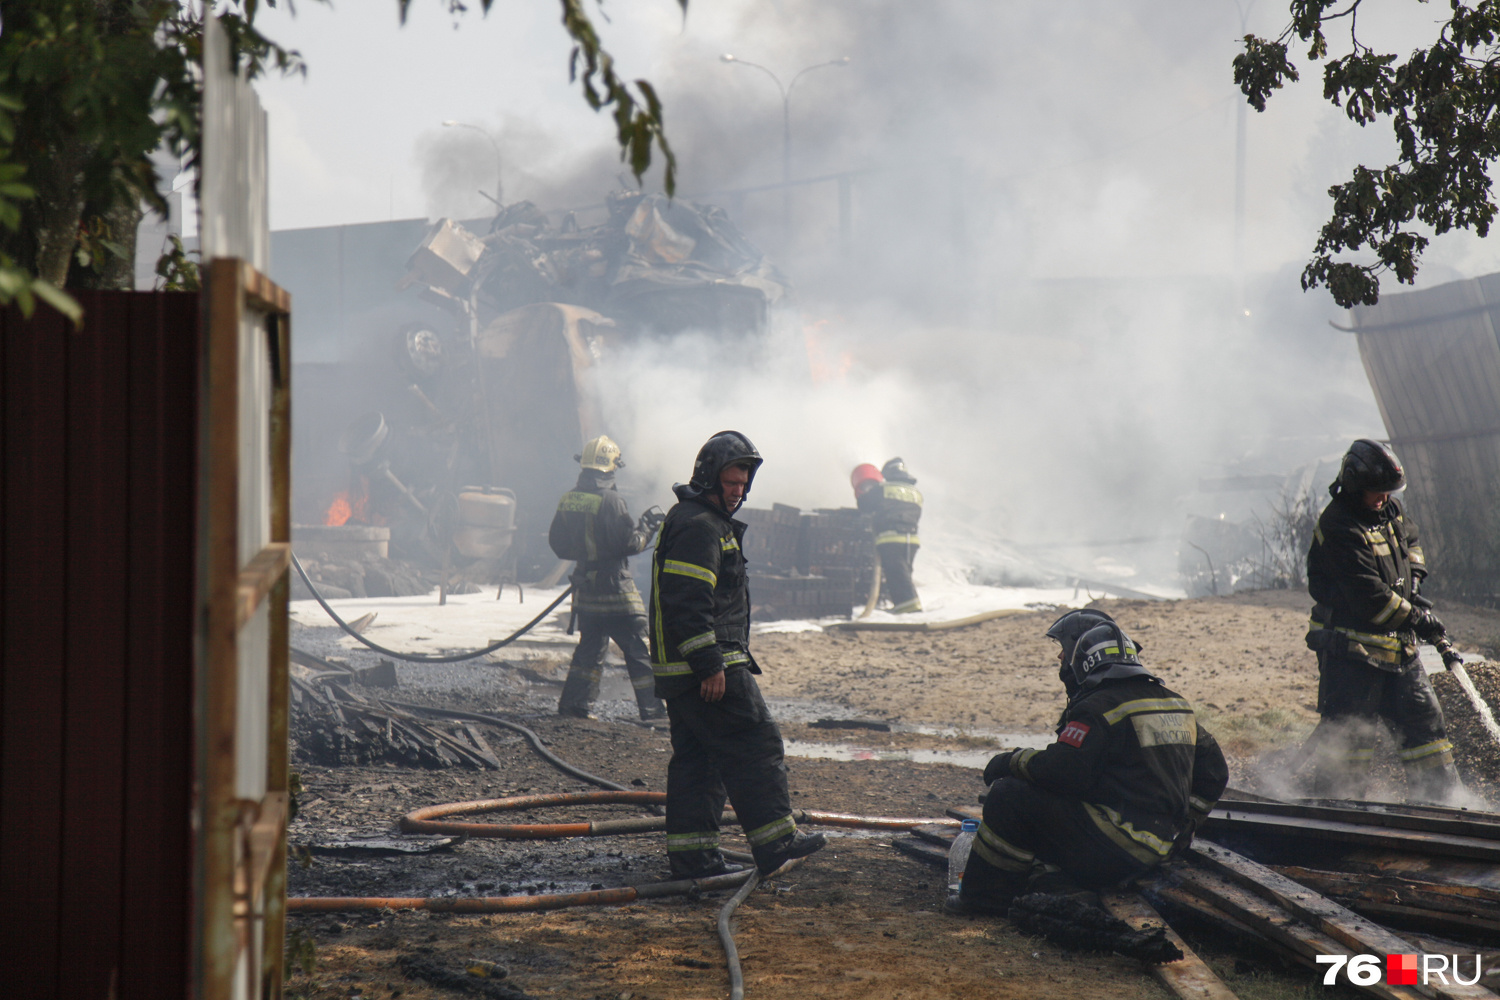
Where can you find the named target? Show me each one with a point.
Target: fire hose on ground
(426, 657)
(433, 819)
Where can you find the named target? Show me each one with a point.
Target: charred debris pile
(653, 266)
(468, 437)
(340, 719)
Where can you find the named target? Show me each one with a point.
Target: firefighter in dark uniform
(593, 526)
(895, 506)
(1364, 568)
(1131, 774)
(724, 741)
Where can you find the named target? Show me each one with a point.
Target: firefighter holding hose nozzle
(891, 498)
(1364, 567)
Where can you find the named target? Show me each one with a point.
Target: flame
(353, 507)
(339, 510)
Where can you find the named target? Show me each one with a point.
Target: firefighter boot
(794, 845)
(1437, 785)
(985, 890)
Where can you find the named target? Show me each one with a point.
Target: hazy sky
(1106, 128)
(1038, 311)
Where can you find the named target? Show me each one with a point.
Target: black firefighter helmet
(1103, 653)
(1368, 465)
(895, 471)
(718, 453)
(1066, 631)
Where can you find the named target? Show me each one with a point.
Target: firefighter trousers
(1027, 834)
(595, 631)
(725, 749)
(896, 560)
(1355, 700)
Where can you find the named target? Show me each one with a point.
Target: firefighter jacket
(593, 526)
(700, 598)
(1133, 753)
(1362, 569)
(894, 509)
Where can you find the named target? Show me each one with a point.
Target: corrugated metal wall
(1433, 359)
(97, 511)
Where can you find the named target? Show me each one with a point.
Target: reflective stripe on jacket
(1362, 569)
(700, 598)
(593, 525)
(894, 509)
(1133, 752)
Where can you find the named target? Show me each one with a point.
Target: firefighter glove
(1184, 841)
(998, 767)
(1427, 626)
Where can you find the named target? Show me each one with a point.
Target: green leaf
(59, 300)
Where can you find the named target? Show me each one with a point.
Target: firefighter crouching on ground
(724, 740)
(1363, 570)
(891, 498)
(1131, 773)
(593, 526)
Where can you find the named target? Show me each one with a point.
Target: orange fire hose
(430, 819)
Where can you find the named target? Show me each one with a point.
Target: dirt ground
(860, 919)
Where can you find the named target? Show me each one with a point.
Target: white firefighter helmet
(601, 454)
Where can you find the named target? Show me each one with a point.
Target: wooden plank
(1270, 922)
(1189, 977)
(261, 293)
(922, 851)
(33, 641)
(158, 748)
(1338, 922)
(259, 577)
(96, 553)
(1436, 844)
(219, 505)
(1466, 899)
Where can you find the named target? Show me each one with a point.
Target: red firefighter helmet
(863, 477)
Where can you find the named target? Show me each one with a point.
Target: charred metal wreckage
(464, 463)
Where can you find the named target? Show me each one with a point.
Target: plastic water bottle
(958, 854)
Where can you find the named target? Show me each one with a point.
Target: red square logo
(1401, 970)
(1073, 733)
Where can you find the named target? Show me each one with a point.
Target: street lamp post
(786, 125)
(498, 199)
(1239, 176)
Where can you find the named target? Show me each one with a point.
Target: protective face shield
(895, 471)
(718, 453)
(1104, 653)
(1066, 631)
(601, 454)
(1368, 466)
(863, 477)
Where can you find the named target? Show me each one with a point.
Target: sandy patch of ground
(860, 919)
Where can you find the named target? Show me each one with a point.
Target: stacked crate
(813, 565)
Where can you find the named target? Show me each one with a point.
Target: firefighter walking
(891, 498)
(1364, 571)
(593, 526)
(724, 741)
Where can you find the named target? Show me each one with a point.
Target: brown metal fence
(98, 488)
